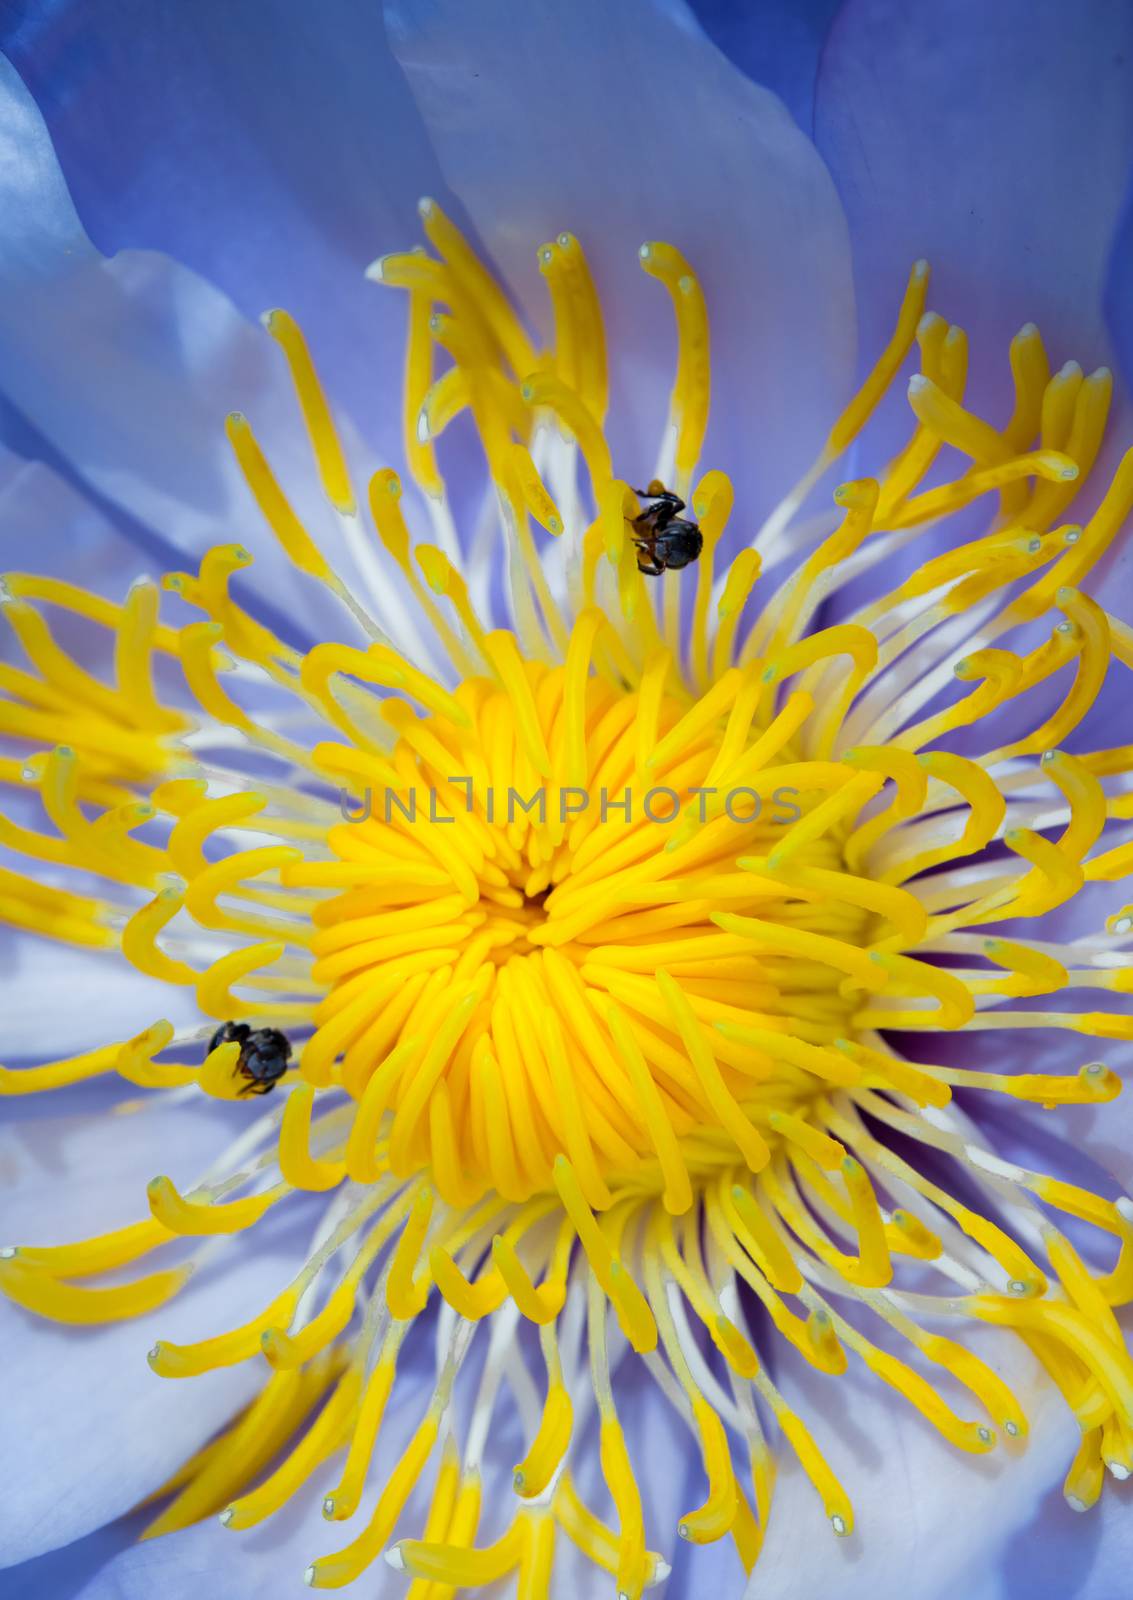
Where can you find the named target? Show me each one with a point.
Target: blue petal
(1119, 292)
(625, 124)
(994, 140)
(778, 43)
(272, 148)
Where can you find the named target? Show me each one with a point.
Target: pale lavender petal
(87, 1430)
(931, 1521)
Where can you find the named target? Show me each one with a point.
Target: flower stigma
(587, 1082)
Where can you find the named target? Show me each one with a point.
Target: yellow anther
(273, 503)
(1033, 972)
(844, 805)
(678, 1190)
(471, 1300)
(58, 1074)
(405, 1295)
(36, 1291)
(759, 1235)
(834, 1499)
(862, 406)
(955, 426)
(197, 1218)
(544, 389)
(477, 285)
(903, 976)
(443, 578)
(299, 1168)
(332, 1572)
(325, 443)
(342, 1501)
(534, 492)
(692, 387)
(726, 1108)
(713, 1519)
(828, 1153)
(541, 1304)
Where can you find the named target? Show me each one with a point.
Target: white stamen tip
(328, 1506)
(225, 1518)
(422, 428)
(1123, 924)
(565, 241)
(917, 382)
(309, 1576)
(1075, 1504)
(426, 206)
(920, 268)
(1027, 331)
(7, 1251)
(682, 1529)
(1017, 1286)
(839, 1526)
(1125, 1206)
(985, 1435)
(375, 271)
(1011, 1428)
(663, 1571)
(394, 1558)
(645, 251)
(1118, 1470)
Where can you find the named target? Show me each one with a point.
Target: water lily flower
(563, 833)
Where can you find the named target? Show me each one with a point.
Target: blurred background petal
(778, 43)
(996, 141)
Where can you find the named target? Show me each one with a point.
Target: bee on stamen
(665, 540)
(264, 1054)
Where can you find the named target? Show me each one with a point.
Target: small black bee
(264, 1054)
(665, 541)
